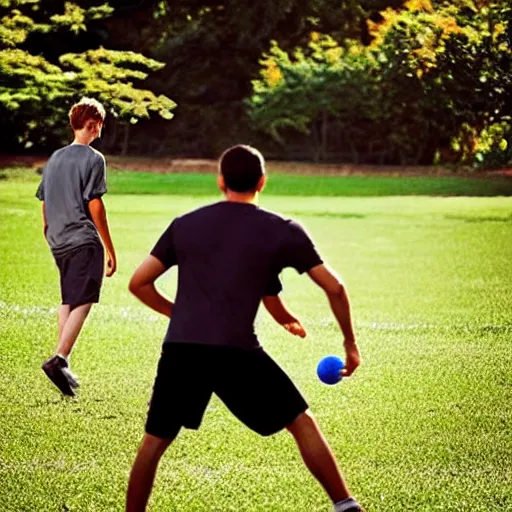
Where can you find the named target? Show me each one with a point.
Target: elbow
(133, 286)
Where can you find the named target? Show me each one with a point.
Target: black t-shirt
(228, 256)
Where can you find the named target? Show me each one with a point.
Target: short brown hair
(85, 110)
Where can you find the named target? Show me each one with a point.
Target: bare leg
(63, 316)
(318, 456)
(70, 328)
(143, 472)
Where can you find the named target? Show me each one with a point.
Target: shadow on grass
(204, 184)
(330, 215)
(488, 218)
(123, 182)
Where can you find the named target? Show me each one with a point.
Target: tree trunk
(323, 136)
(126, 140)
(316, 143)
(111, 136)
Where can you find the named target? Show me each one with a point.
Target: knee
(303, 421)
(153, 447)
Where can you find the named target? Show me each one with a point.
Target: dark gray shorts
(81, 275)
(249, 382)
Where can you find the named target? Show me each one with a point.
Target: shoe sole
(72, 380)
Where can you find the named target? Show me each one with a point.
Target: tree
(38, 82)
(311, 90)
(433, 85)
(447, 69)
(211, 49)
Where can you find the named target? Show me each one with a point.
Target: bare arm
(279, 312)
(99, 217)
(142, 285)
(45, 222)
(325, 277)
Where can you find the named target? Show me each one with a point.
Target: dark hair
(86, 109)
(242, 168)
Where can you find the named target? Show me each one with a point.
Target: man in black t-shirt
(228, 256)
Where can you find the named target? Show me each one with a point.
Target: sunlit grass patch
(423, 425)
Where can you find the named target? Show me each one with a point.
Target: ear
(96, 124)
(221, 183)
(261, 183)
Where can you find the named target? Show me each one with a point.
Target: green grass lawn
(123, 182)
(423, 425)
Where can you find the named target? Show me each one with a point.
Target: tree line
(371, 81)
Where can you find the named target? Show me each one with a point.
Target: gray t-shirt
(73, 176)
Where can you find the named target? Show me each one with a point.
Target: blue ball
(329, 369)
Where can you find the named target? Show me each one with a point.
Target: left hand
(111, 264)
(296, 329)
(352, 358)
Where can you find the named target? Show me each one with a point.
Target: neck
(242, 197)
(82, 137)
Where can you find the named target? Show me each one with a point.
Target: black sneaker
(354, 507)
(54, 369)
(72, 378)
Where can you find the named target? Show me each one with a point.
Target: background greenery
(370, 81)
(423, 425)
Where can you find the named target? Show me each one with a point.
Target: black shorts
(252, 386)
(81, 274)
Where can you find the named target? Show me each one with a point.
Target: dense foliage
(435, 84)
(370, 81)
(40, 78)
(212, 50)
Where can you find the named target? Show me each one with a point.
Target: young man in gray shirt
(227, 253)
(74, 225)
